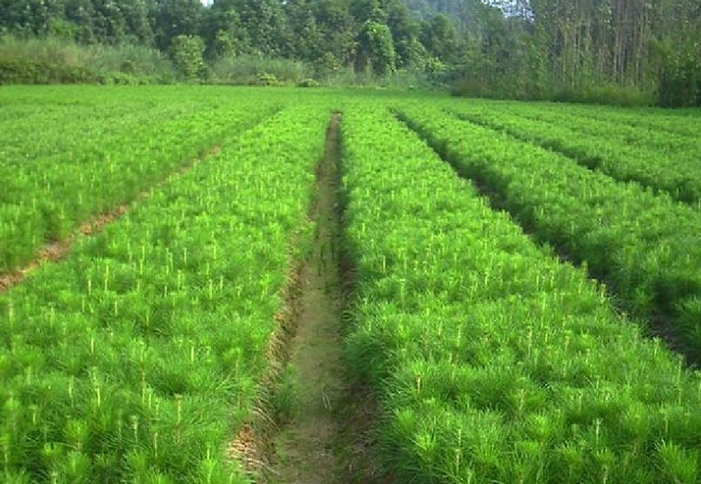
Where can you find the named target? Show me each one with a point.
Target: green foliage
(187, 52)
(58, 178)
(535, 50)
(327, 65)
(680, 81)
(609, 93)
(308, 82)
(138, 358)
(52, 61)
(657, 157)
(375, 49)
(57, 61)
(85, 21)
(264, 26)
(248, 70)
(27, 72)
(440, 38)
(267, 79)
(222, 46)
(285, 399)
(347, 76)
(636, 241)
(174, 18)
(147, 65)
(494, 361)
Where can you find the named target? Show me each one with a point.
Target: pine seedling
(9, 477)
(75, 469)
(678, 465)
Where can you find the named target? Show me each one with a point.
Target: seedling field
(230, 285)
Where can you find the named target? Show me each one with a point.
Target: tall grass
(255, 70)
(586, 93)
(52, 60)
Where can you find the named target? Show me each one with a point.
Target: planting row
(139, 357)
(644, 136)
(680, 123)
(672, 166)
(36, 129)
(45, 198)
(492, 360)
(644, 245)
(41, 121)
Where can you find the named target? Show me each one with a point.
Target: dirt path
(325, 438)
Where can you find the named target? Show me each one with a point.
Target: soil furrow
(325, 418)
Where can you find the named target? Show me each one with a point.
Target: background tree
(187, 52)
(558, 49)
(439, 37)
(375, 49)
(338, 29)
(81, 14)
(222, 31)
(137, 25)
(171, 18)
(307, 43)
(405, 34)
(367, 10)
(265, 26)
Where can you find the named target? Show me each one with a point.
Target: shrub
(607, 93)
(267, 79)
(187, 52)
(308, 82)
(56, 61)
(147, 65)
(249, 69)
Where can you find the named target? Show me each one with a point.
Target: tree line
(534, 49)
